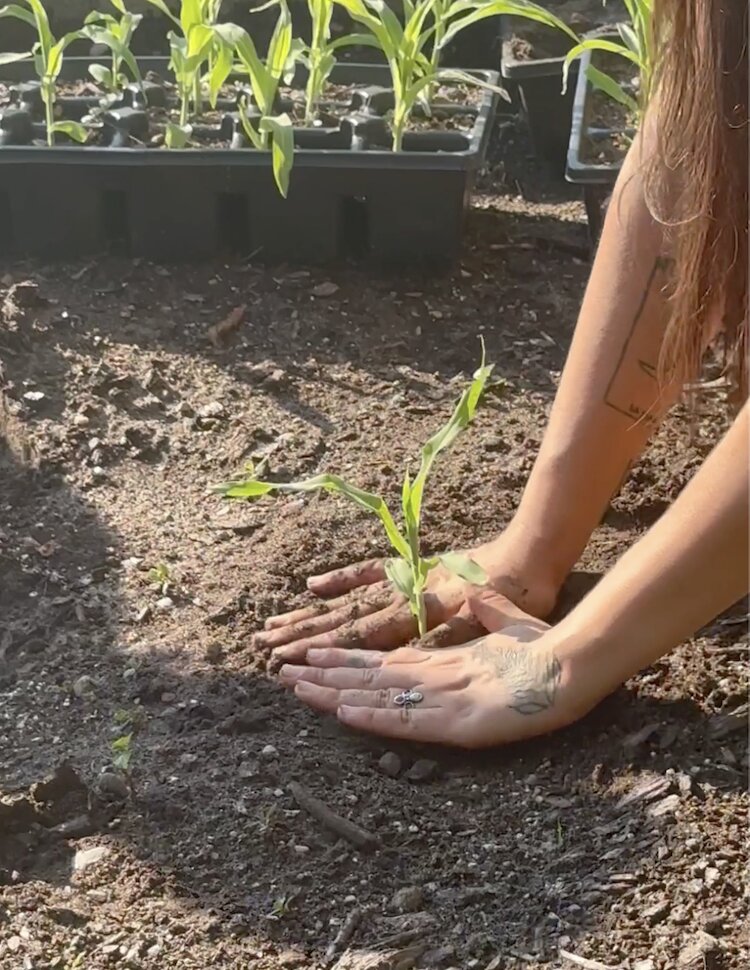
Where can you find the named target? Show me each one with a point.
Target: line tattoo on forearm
(638, 352)
(531, 678)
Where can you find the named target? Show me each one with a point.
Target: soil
(531, 41)
(621, 840)
(610, 125)
(455, 109)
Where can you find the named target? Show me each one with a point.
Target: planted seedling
(319, 56)
(408, 571)
(635, 45)
(122, 752)
(428, 26)
(47, 55)
(161, 577)
(265, 127)
(115, 34)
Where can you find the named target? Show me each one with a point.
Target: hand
(503, 687)
(361, 609)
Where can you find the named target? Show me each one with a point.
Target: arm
(609, 400)
(688, 568)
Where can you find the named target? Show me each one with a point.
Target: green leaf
(250, 130)
(595, 44)
(464, 567)
(161, 5)
(177, 136)
(20, 13)
(399, 573)
(12, 58)
(444, 438)
(604, 82)
(251, 488)
(119, 5)
(282, 148)
(72, 129)
(102, 75)
(517, 8)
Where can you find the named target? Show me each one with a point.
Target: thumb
(496, 612)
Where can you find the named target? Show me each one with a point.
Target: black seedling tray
(538, 84)
(349, 194)
(597, 179)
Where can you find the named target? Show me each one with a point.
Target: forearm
(688, 568)
(609, 399)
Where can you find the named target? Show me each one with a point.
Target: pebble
(269, 752)
(390, 764)
(110, 783)
(667, 806)
(644, 964)
(214, 409)
(701, 952)
(81, 421)
(657, 912)
(164, 604)
(410, 899)
(83, 686)
(422, 770)
(88, 857)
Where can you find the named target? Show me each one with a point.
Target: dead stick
(344, 935)
(342, 827)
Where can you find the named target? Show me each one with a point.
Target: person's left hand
(503, 687)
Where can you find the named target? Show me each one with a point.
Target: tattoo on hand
(531, 678)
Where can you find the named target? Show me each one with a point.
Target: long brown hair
(697, 179)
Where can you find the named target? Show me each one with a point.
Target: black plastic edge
(77, 67)
(515, 70)
(577, 171)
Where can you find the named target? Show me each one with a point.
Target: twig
(586, 963)
(345, 934)
(342, 827)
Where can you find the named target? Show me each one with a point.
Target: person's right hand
(360, 609)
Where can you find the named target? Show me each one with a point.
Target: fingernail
(290, 672)
(302, 687)
(347, 714)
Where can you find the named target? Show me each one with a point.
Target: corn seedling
(161, 577)
(429, 25)
(265, 128)
(281, 906)
(408, 571)
(635, 45)
(116, 34)
(47, 54)
(122, 752)
(319, 55)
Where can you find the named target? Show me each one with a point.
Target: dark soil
(621, 839)
(610, 125)
(531, 41)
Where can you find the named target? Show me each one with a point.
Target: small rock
(325, 289)
(301, 849)
(645, 790)
(97, 895)
(644, 964)
(81, 421)
(88, 857)
(696, 887)
(657, 912)
(214, 409)
(33, 396)
(701, 953)
(164, 604)
(110, 783)
(422, 770)
(711, 876)
(13, 943)
(667, 806)
(83, 686)
(269, 752)
(390, 764)
(410, 899)
(686, 784)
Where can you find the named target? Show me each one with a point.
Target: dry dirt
(621, 840)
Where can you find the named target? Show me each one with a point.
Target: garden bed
(125, 394)
(350, 195)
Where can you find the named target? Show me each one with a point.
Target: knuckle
(383, 697)
(370, 677)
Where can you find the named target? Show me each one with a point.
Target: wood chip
(723, 725)
(403, 959)
(586, 963)
(342, 827)
(220, 333)
(645, 790)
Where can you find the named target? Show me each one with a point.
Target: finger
(315, 625)
(384, 630)
(349, 678)
(329, 699)
(430, 724)
(458, 629)
(381, 593)
(339, 581)
(337, 657)
(496, 612)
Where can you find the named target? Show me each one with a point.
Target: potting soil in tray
(349, 117)
(610, 125)
(531, 40)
